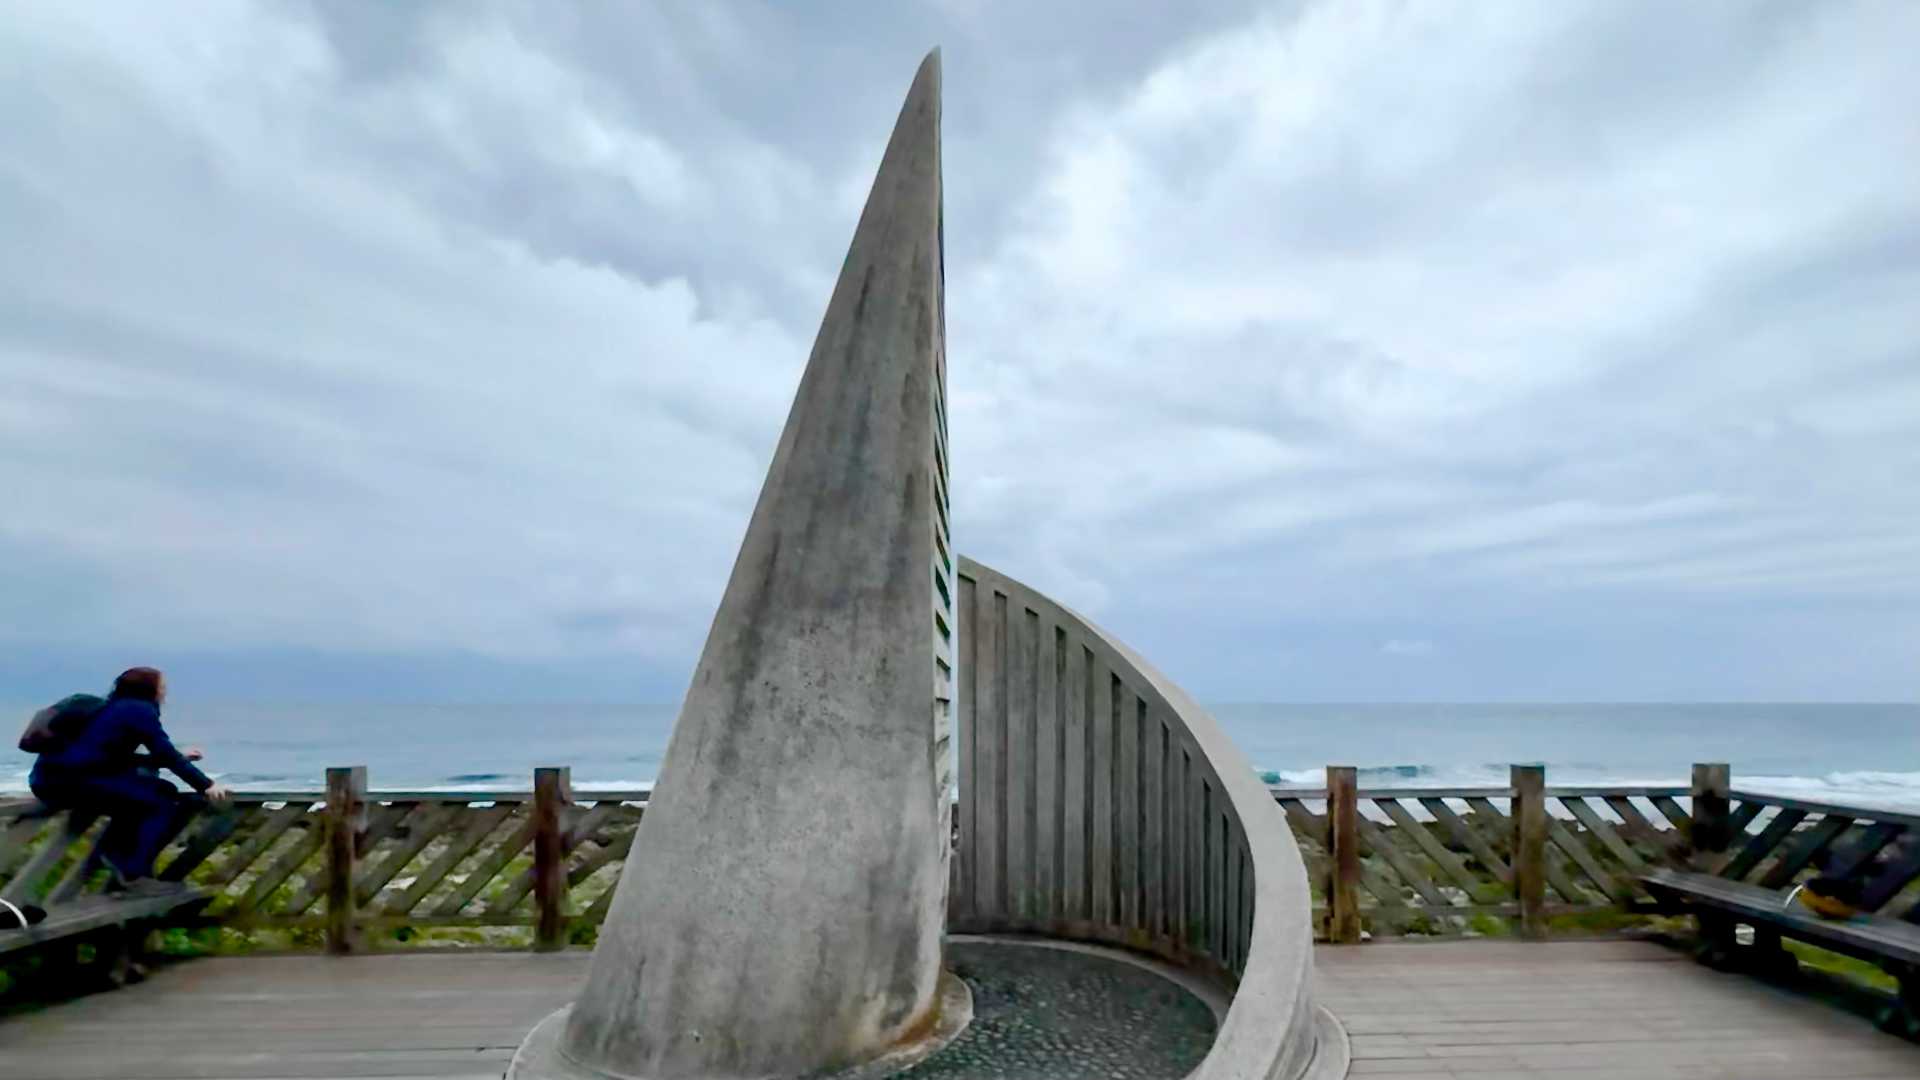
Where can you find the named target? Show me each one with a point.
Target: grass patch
(1845, 967)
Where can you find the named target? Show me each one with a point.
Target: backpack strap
(18, 915)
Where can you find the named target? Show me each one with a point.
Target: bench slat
(1867, 937)
(97, 912)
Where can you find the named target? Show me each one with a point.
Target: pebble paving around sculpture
(1055, 1014)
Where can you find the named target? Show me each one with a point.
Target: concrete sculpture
(782, 912)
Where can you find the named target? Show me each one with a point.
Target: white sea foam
(1476, 776)
(1866, 789)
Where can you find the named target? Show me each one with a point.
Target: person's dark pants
(143, 812)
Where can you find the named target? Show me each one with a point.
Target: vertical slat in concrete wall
(1153, 841)
(1203, 873)
(1247, 906)
(990, 745)
(1086, 808)
(961, 904)
(1187, 932)
(1177, 771)
(1046, 774)
(1217, 885)
(1100, 684)
(1089, 809)
(1230, 924)
(1126, 800)
(1076, 791)
(1020, 763)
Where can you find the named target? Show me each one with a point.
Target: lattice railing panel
(1777, 842)
(1440, 861)
(446, 859)
(1430, 861)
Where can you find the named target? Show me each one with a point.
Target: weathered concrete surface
(783, 908)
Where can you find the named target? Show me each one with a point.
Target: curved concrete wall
(1098, 802)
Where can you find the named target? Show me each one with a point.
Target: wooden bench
(1751, 884)
(112, 928)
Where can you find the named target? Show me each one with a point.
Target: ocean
(1867, 755)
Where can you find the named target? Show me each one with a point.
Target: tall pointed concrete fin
(781, 912)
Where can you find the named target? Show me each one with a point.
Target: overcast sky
(1345, 351)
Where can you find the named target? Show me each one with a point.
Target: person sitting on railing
(97, 767)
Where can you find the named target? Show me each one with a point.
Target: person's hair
(140, 684)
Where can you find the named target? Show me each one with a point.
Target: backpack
(54, 726)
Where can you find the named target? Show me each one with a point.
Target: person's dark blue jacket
(111, 743)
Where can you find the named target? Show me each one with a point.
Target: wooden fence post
(346, 817)
(1530, 847)
(1712, 791)
(1343, 855)
(552, 794)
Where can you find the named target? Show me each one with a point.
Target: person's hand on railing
(219, 794)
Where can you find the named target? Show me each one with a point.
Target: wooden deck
(1489, 1010)
(1597, 1010)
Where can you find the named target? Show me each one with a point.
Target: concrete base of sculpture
(540, 1057)
(1333, 1050)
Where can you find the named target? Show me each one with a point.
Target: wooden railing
(1772, 841)
(1098, 802)
(1445, 861)
(337, 864)
(1533, 859)
(1385, 861)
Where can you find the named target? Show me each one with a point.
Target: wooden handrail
(1283, 791)
(1604, 791)
(478, 795)
(1866, 813)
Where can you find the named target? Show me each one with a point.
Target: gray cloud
(1578, 336)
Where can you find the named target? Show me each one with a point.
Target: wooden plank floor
(409, 1014)
(1489, 1010)
(1602, 1010)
